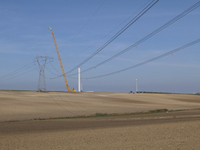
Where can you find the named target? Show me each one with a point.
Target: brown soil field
(172, 130)
(22, 105)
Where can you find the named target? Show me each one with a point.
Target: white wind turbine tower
(136, 86)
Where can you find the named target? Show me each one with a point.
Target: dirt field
(16, 105)
(172, 130)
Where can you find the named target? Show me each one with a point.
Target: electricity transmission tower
(42, 60)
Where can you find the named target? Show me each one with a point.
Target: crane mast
(61, 66)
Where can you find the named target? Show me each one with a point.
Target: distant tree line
(158, 92)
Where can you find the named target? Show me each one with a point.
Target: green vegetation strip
(104, 115)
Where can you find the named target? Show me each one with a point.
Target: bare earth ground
(173, 130)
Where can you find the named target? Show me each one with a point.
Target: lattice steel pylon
(42, 60)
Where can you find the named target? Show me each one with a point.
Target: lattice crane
(61, 66)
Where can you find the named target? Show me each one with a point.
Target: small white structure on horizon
(136, 88)
(79, 80)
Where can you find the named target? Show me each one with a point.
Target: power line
(88, 21)
(17, 75)
(17, 70)
(150, 5)
(50, 71)
(115, 27)
(55, 73)
(145, 38)
(150, 60)
(55, 68)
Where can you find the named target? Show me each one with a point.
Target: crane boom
(61, 66)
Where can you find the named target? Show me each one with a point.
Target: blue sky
(81, 27)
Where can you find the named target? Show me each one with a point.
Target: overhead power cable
(150, 5)
(150, 60)
(50, 71)
(93, 14)
(114, 28)
(16, 75)
(146, 37)
(55, 69)
(17, 70)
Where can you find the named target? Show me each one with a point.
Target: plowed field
(168, 130)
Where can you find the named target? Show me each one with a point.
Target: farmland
(31, 120)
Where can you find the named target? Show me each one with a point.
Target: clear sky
(81, 27)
